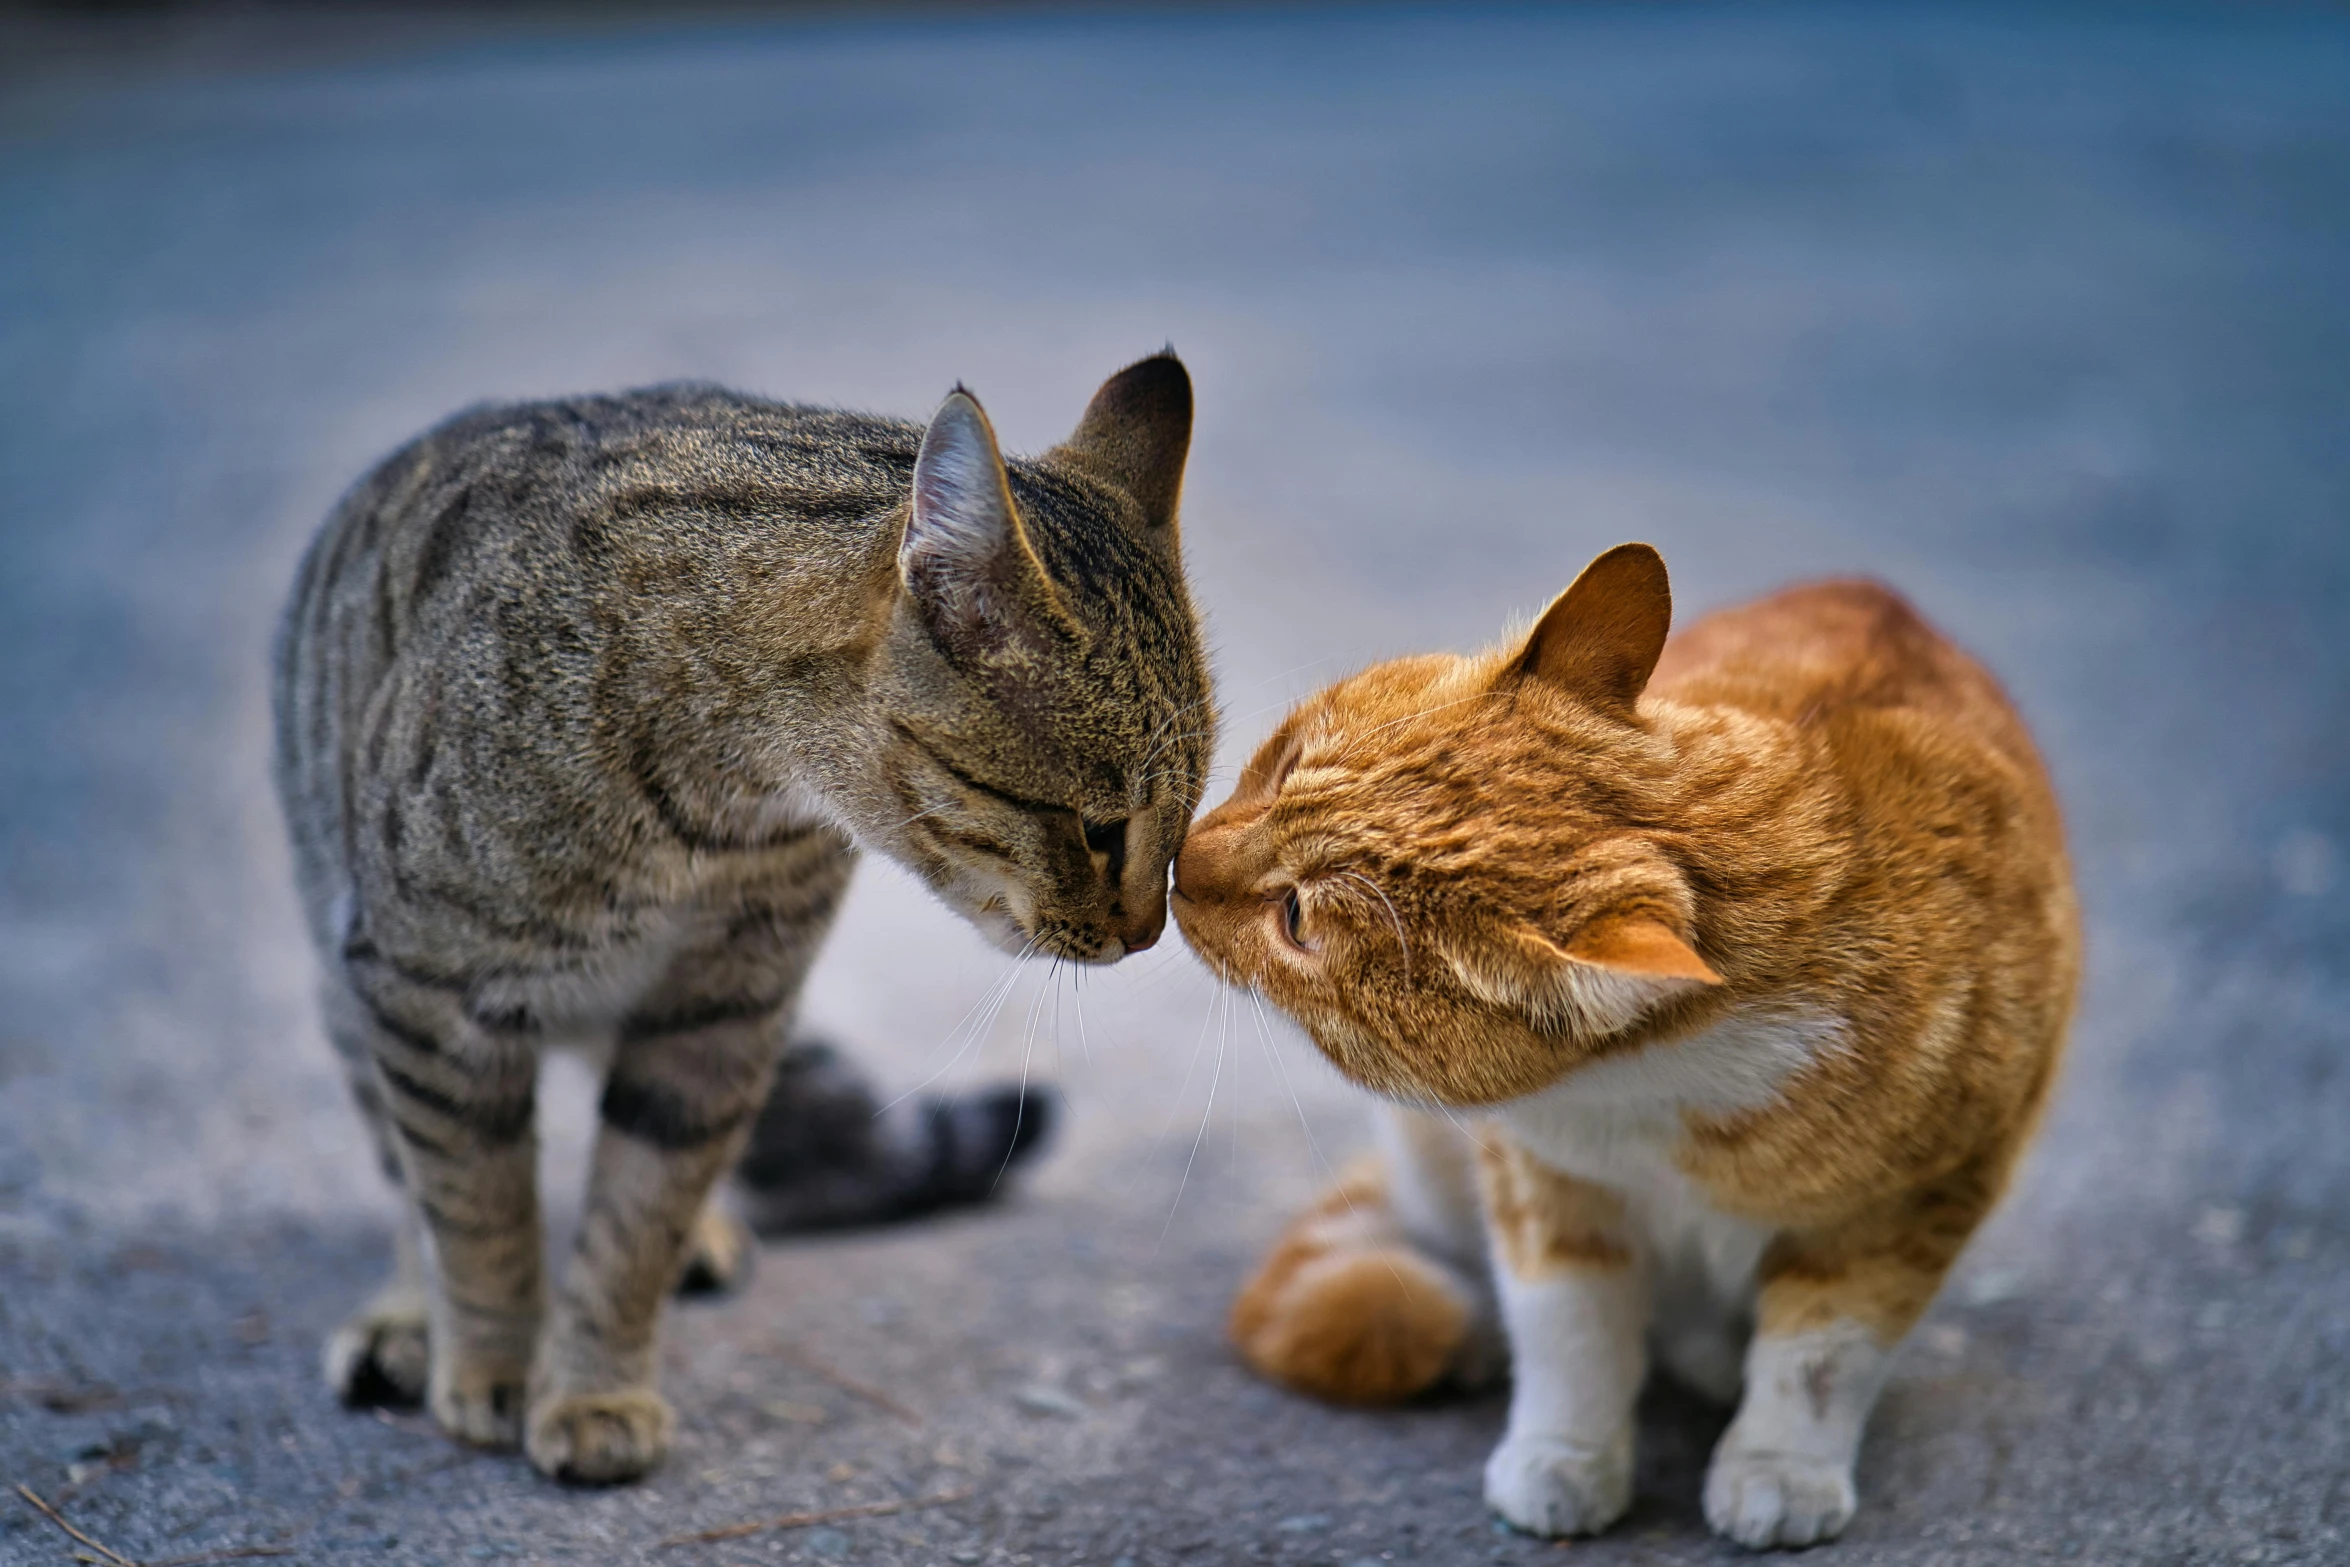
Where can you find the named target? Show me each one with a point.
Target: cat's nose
(1143, 934)
(1190, 866)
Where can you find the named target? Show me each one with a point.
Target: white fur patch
(1740, 1064)
(1431, 1182)
(1565, 1466)
(1782, 1474)
(1619, 1122)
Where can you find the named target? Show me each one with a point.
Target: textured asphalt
(2044, 317)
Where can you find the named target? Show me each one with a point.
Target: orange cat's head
(1451, 870)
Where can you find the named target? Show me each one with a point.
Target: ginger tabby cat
(1737, 968)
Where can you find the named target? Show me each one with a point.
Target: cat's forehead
(1391, 706)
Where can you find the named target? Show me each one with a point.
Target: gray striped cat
(583, 712)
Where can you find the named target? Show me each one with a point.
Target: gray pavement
(2045, 317)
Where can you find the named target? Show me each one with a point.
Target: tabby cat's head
(1046, 697)
(1444, 868)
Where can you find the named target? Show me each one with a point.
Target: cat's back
(523, 500)
(472, 604)
(1842, 654)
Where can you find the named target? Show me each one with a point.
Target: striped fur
(584, 710)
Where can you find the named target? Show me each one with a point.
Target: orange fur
(1344, 1308)
(1472, 878)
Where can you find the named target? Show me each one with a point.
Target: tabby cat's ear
(1136, 433)
(1599, 981)
(965, 557)
(1600, 639)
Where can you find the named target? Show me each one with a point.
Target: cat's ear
(1639, 946)
(965, 557)
(1599, 981)
(1136, 433)
(1600, 639)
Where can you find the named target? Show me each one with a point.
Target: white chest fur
(1620, 1123)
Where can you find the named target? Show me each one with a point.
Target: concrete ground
(2045, 318)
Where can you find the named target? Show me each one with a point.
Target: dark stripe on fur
(493, 1120)
(699, 1015)
(651, 1113)
(1016, 801)
(406, 1033)
(701, 837)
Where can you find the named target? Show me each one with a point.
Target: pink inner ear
(1636, 944)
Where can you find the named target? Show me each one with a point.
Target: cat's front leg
(1574, 1300)
(686, 1080)
(1829, 1315)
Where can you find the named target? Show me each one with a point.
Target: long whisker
(1265, 1038)
(1206, 1115)
(1265, 1034)
(990, 1003)
(1077, 1005)
(1355, 740)
(1020, 1105)
(1175, 1105)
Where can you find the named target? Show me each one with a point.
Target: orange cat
(1737, 969)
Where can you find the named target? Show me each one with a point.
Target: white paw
(382, 1354)
(1766, 1499)
(1550, 1487)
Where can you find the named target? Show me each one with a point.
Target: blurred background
(2042, 315)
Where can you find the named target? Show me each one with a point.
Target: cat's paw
(1766, 1499)
(718, 1255)
(1549, 1487)
(382, 1354)
(600, 1438)
(480, 1406)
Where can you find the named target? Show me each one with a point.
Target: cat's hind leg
(459, 1100)
(1376, 1293)
(719, 1254)
(379, 1354)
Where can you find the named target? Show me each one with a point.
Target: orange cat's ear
(1600, 981)
(1600, 639)
(1642, 946)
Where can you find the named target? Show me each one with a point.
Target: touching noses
(1206, 857)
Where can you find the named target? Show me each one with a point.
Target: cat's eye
(1108, 839)
(1293, 919)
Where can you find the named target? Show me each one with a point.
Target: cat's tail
(1378, 1291)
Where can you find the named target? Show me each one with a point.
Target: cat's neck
(750, 697)
(1761, 818)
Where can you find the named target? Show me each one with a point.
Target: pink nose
(1143, 934)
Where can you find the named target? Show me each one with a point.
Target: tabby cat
(583, 711)
(1726, 977)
